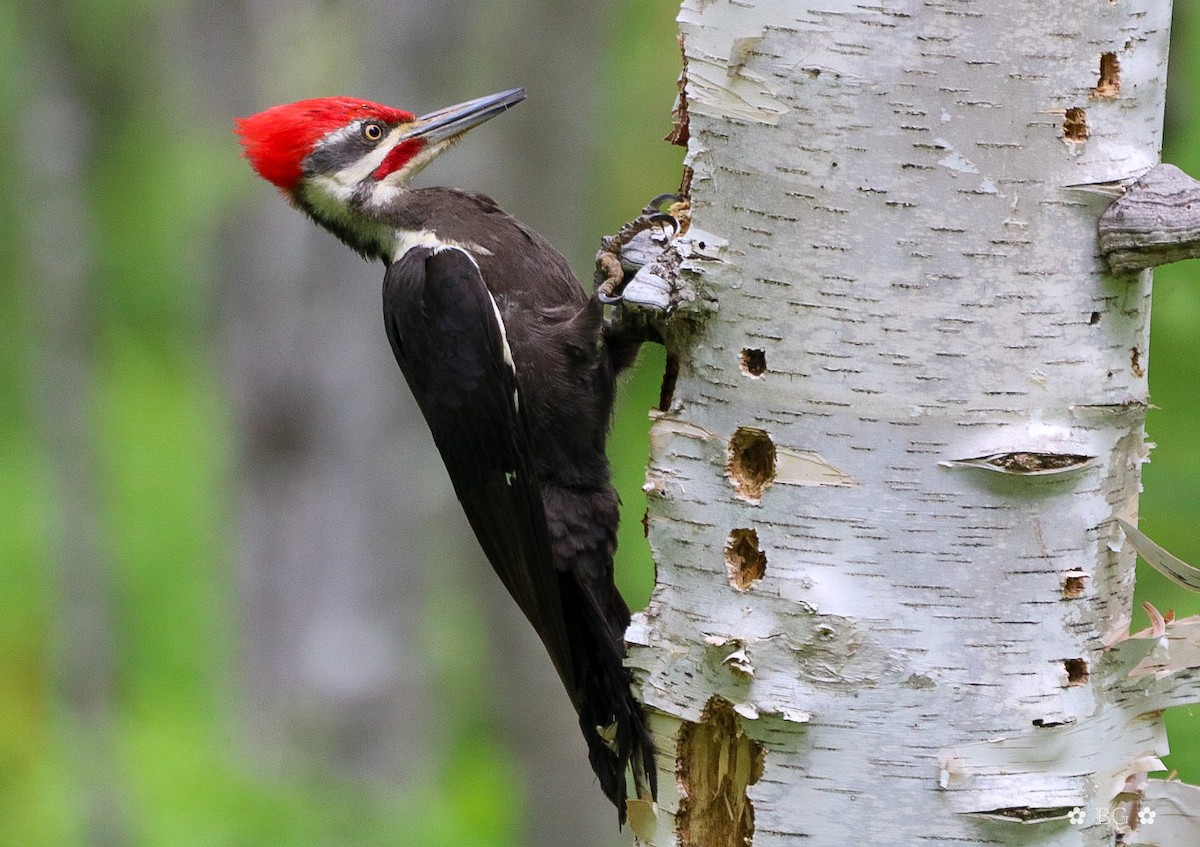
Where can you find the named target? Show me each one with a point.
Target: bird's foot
(637, 245)
(653, 270)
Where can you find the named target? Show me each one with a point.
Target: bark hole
(1109, 84)
(716, 764)
(1073, 585)
(754, 361)
(744, 558)
(1031, 463)
(1077, 671)
(1075, 126)
(1094, 319)
(1135, 362)
(751, 464)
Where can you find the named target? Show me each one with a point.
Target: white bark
(882, 502)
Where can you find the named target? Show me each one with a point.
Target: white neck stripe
(409, 239)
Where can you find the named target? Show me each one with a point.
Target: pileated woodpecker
(508, 360)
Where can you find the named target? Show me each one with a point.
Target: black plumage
(524, 443)
(508, 359)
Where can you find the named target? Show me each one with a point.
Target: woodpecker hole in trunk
(751, 465)
(1074, 585)
(1077, 671)
(754, 362)
(715, 765)
(1109, 84)
(744, 559)
(1075, 125)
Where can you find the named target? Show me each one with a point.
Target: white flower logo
(1146, 816)
(1076, 816)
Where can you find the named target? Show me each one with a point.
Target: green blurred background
(233, 608)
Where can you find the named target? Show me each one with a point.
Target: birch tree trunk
(882, 500)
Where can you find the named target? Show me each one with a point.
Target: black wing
(449, 340)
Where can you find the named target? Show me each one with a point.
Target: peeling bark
(918, 394)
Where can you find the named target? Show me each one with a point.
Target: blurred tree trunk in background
(330, 507)
(61, 256)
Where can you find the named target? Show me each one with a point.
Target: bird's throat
(345, 211)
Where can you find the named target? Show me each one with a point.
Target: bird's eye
(372, 131)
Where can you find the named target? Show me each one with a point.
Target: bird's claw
(610, 277)
(662, 219)
(655, 205)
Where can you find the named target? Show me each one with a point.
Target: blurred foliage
(158, 428)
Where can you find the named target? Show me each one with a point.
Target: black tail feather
(612, 720)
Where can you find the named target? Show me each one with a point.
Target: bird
(511, 364)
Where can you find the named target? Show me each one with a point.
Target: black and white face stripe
(337, 182)
(340, 170)
(348, 156)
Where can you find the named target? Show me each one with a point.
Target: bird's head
(341, 159)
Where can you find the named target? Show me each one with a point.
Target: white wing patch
(410, 239)
(508, 357)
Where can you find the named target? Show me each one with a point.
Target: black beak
(455, 120)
